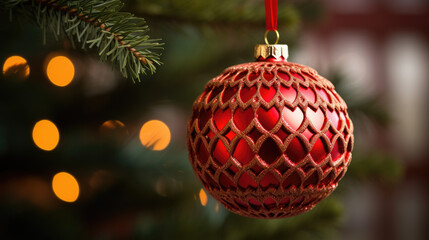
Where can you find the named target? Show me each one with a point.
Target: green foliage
(378, 166)
(319, 223)
(119, 37)
(243, 12)
(311, 10)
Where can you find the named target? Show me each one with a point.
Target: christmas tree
(110, 170)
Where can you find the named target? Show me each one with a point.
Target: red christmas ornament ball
(269, 139)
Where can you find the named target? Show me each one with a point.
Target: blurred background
(87, 154)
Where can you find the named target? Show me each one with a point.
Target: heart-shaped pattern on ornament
(270, 139)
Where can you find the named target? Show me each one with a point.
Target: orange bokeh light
(155, 135)
(114, 130)
(16, 65)
(45, 135)
(112, 124)
(60, 71)
(203, 197)
(65, 187)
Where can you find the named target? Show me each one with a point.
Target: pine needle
(119, 38)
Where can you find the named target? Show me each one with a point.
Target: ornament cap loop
(266, 36)
(278, 52)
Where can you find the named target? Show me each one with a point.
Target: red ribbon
(271, 11)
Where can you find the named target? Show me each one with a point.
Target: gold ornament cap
(277, 51)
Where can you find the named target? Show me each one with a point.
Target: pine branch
(119, 37)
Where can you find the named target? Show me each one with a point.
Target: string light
(155, 135)
(60, 71)
(203, 197)
(112, 124)
(46, 135)
(114, 127)
(16, 65)
(65, 187)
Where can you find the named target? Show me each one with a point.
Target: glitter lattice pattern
(270, 140)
